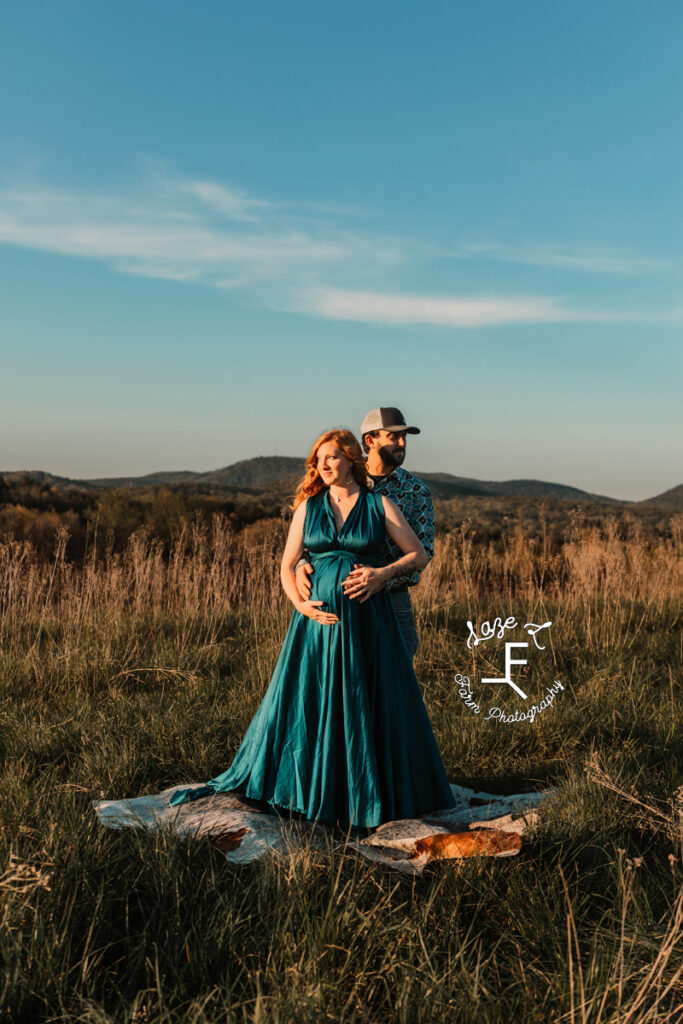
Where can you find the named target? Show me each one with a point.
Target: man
(383, 436)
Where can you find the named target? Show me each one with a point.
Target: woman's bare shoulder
(300, 510)
(387, 504)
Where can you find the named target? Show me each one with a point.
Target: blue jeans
(404, 614)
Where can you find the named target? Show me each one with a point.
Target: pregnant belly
(329, 572)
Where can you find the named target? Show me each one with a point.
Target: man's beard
(391, 457)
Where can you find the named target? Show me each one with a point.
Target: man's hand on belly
(363, 581)
(303, 582)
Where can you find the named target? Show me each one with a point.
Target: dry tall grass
(591, 562)
(218, 569)
(126, 673)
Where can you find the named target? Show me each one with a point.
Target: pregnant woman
(342, 735)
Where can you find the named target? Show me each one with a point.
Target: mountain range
(281, 470)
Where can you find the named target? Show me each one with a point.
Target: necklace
(339, 498)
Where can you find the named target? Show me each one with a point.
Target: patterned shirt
(415, 502)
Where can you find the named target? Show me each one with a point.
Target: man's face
(391, 446)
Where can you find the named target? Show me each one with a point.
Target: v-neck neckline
(330, 512)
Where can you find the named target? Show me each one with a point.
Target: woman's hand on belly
(312, 610)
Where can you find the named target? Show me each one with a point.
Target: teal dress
(342, 735)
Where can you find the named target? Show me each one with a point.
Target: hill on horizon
(268, 470)
(513, 488)
(673, 498)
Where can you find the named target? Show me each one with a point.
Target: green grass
(99, 925)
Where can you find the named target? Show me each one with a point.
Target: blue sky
(227, 227)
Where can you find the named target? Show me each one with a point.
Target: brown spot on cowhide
(485, 842)
(226, 841)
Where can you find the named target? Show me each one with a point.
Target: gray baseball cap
(385, 418)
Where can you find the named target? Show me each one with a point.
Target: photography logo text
(517, 673)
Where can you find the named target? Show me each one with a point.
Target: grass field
(125, 675)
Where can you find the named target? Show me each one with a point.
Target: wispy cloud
(451, 311)
(375, 307)
(297, 258)
(590, 258)
(232, 203)
(462, 312)
(185, 231)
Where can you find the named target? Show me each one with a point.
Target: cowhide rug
(481, 824)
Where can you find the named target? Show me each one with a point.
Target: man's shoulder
(410, 482)
(402, 484)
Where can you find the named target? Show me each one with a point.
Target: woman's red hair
(312, 483)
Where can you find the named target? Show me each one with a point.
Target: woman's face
(332, 464)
